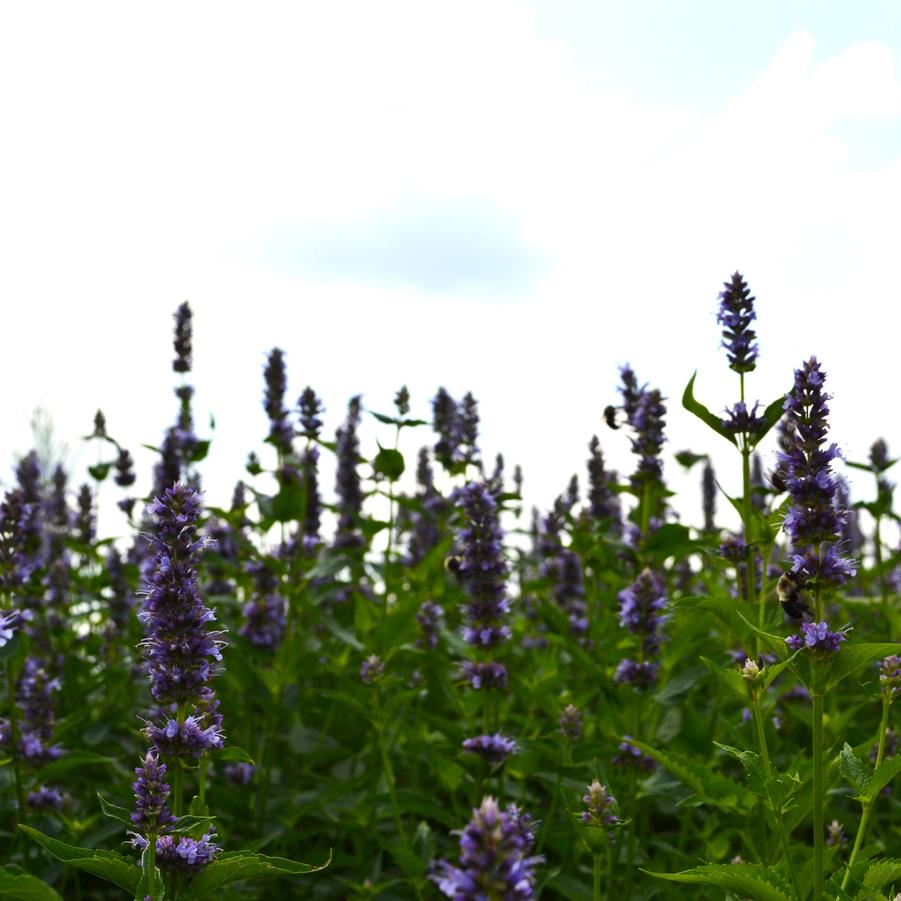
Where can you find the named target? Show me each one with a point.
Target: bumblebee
(788, 590)
(610, 417)
(453, 564)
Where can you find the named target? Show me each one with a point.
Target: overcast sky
(514, 198)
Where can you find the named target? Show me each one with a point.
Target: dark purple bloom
(740, 421)
(240, 773)
(469, 428)
(734, 549)
(482, 569)
(281, 433)
(493, 748)
(836, 837)
(571, 722)
(430, 618)
(265, 612)
(182, 342)
(890, 676)
(630, 391)
(600, 808)
(494, 857)
(372, 669)
(10, 623)
(735, 315)
(35, 700)
(647, 442)
(813, 523)
(178, 645)
(484, 674)
(816, 636)
(603, 500)
(311, 409)
(639, 674)
(639, 608)
(446, 422)
(879, 458)
(181, 854)
(347, 480)
(631, 756)
(121, 600)
(190, 738)
(402, 401)
(45, 799)
(85, 521)
(19, 540)
(708, 496)
(151, 815)
(125, 469)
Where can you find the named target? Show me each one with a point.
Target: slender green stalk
(775, 803)
(596, 884)
(867, 805)
(633, 797)
(388, 770)
(818, 798)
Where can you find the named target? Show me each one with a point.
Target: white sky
(454, 194)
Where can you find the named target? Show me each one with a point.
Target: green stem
(818, 798)
(867, 806)
(775, 803)
(388, 770)
(596, 885)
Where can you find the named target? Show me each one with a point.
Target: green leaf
(886, 771)
(151, 884)
(730, 676)
(853, 657)
(109, 865)
(71, 761)
(199, 451)
(771, 415)
(234, 754)
(287, 505)
(17, 885)
(389, 463)
(699, 410)
(99, 471)
(752, 763)
(856, 771)
(713, 787)
(115, 812)
(236, 865)
(745, 879)
(882, 872)
(11, 647)
(688, 458)
(191, 822)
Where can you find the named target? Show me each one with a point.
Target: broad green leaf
(99, 471)
(199, 451)
(115, 812)
(882, 872)
(853, 657)
(237, 865)
(287, 505)
(17, 885)
(887, 771)
(752, 763)
(389, 463)
(699, 410)
(730, 676)
(70, 761)
(713, 787)
(234, 754)
(745, 879)
(109, 865)
(856, 771)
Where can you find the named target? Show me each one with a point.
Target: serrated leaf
(745, 879)
(115, 812)
(752, 763)
(716, 789)
(109, 865)
(853, 657)
(882, 872)
(729, 676)
(856, 771)
(886, 771)
(18, 885)
(237, 865)
(699, 410)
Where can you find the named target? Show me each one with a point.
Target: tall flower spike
(347, 480)
(708, 496)
(813, 523)
(178, 646)
(482, 569)
(182, 342)
(735, 315)
(275, 377)
(494, 857)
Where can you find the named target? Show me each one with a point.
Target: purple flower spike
(735, 315)
(45, 799)
(600, 809)
(814, 522)
(494, 857)
(482, 569)
(151, 815)
(484, 674)
(494, 748)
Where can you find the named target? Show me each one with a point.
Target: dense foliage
(422, 692)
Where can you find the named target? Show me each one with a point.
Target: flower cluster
(571, 722)
(813, 523)
(265, 612)
(481, 568)
(151, 816)
(600, 809)
(603, 500)
(178, 646)
(281, 434)
(816, 636)
(890, 676)
(741, 421)
(182, 361)
(630, 755)
(494, 856)
(493, 748)
(372, 669)
(347, 480)
(430, 618)
(735, 315)
(484, 674)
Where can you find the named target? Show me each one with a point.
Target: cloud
(444, 245)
